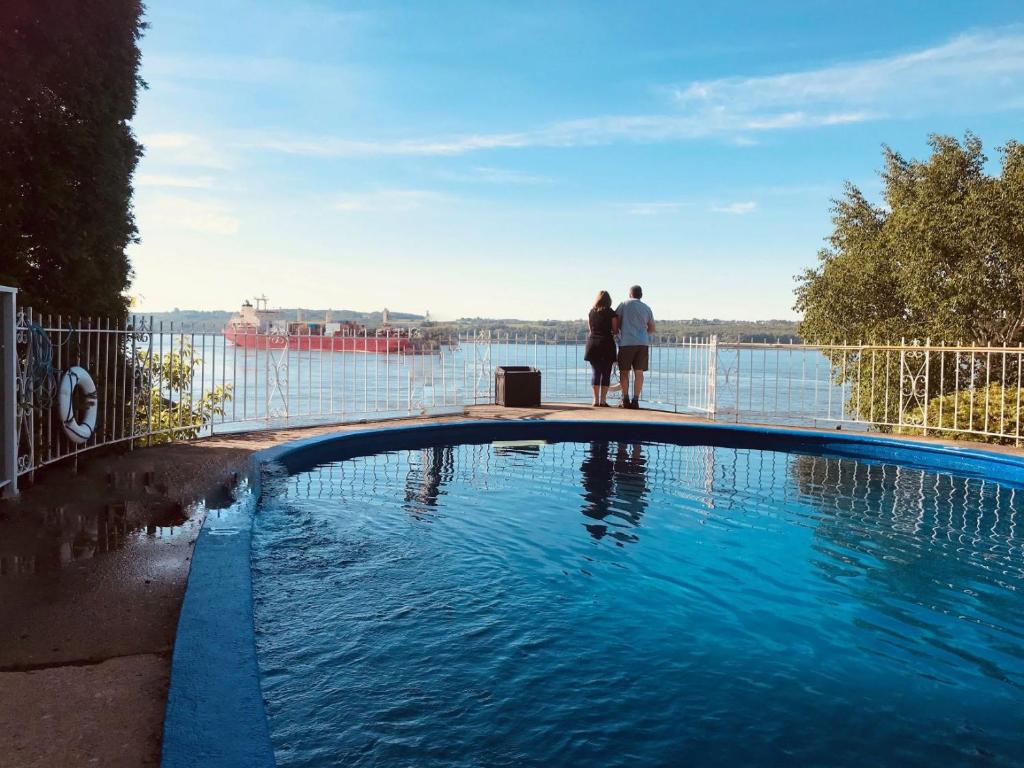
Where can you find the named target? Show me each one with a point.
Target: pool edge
(215, 713)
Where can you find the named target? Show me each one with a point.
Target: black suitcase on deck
(517, 386)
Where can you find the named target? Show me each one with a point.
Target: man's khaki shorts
(633, 358)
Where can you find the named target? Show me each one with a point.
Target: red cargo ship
(256, 327)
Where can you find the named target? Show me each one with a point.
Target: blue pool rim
(215, 714)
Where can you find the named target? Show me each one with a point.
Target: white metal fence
(917, 388)
(159, 381)
(681, 376)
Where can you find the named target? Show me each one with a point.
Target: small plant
(169, 408)
(995, 409)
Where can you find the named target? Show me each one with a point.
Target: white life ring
(77, 378)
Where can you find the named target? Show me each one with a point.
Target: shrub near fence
(168, 407)
(991, 414)
(963, 393)
(144, 394)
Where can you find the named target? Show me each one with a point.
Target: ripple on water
(639, 604)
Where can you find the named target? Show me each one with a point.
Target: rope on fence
(42, 376)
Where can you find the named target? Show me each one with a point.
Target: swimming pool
(637, 602)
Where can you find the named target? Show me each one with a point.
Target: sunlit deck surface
(94, 567)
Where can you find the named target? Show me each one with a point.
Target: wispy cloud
(207, 216)
(736, 209)
(971, 69)
(258, 70)
(504, 176)
(654, 208)
(388, 201)
(981, 72)
(183, 149)
(333, 146)
(177, 182)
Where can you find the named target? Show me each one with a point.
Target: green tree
(942, 259)
(68, 84)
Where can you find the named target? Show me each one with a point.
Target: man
(636, 324)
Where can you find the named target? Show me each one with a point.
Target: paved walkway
(93, 568)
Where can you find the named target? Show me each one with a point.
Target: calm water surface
(639, 604)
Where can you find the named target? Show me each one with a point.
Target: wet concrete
(93, 567)
(107, 714)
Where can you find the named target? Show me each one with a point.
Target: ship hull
(373, 345)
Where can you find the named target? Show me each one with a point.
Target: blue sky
(511, 159)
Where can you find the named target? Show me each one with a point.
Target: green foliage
(169, 405)
(942, 259)
(995, 409)
(874, 375)
(68, 84)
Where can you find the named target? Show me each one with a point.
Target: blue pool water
(607, 604)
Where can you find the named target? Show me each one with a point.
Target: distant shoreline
(755, 330)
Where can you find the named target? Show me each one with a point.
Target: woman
(600, 350)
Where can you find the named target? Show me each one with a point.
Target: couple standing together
(633, 322)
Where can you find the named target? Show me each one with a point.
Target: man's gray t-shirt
(634, 316)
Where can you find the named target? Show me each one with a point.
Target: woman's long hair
(603, 300)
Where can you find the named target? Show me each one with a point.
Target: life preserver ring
(77, 378)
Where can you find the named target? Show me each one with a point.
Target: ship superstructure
(255, 326)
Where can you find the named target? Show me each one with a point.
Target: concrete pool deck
(94, 569)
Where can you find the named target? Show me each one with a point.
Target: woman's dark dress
(600, 343)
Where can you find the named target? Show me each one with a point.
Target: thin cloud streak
(176, 182)
(736, 209)
(183, 149)
(655, 208)
(175, 212)
(981, 71)
(973, 67)
(388, 201)
(594, 131)
(500, 176)
(255, 70)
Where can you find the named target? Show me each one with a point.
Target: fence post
(712, 375)
(8, 392)
(903, 369)
(739, 357)
(927, 376)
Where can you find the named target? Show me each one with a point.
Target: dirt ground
(93, 567)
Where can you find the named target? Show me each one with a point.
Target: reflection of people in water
(424, 484)
(614, 489)
(631, 481)
(596, 471)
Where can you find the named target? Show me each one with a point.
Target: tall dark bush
(69, 79)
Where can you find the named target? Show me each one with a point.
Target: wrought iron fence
(681, 376)
(161, 381)
(913, 388)
(156, 382)
(9, 388)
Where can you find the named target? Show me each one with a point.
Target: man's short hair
(636, 292)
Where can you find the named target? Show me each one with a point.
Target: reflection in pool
(638, 604)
